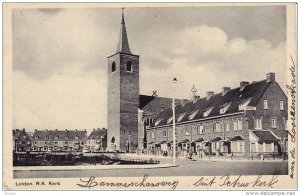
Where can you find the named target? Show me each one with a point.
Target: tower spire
(123, 45)
(123, 21)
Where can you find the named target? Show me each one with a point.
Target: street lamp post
(129, 143)
(174, 124)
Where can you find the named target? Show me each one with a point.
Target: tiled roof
(253, 91)
(57, 134)
(98, 133)
(265, 136)
(16, 133)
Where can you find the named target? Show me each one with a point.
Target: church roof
(195, 110)
(123, 45)
(153, 105)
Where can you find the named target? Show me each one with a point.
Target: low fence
(29, 159)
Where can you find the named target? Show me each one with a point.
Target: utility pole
(174, 123)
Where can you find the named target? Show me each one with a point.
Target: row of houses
(59, 140)
(249, 119)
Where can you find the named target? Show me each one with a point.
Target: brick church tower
(123, 96)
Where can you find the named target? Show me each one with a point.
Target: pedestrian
(190, 153)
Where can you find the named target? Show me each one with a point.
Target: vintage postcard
(150, 96)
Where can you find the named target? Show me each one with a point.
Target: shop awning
(184, 141)
(265, 136)
(163, 142)
(216, 139)
(199, 140)
(236, 138)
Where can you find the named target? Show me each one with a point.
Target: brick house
(245, 120)
(58, 141)
(21, 141)
(97, 140)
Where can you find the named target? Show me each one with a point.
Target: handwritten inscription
(236, 182)
(292, 167)
(292, 132)
(92, 182)
(292, 88)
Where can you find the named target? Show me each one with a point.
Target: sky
(60, 56)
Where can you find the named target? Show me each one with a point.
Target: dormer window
(158, 121)
(181, 117)
(113, 67)
(129, 66)
(244, 104)
(224, 108)
(193, 114)
(207, 111)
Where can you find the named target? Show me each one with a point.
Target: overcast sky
(60, 65)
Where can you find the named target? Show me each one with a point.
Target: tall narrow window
(113, 67)
(274, 123)
(281, 105)
(239, 124)
(152, 134)
(258, 123)
(265, 104)
(200, 129)
(285, 123)
(164, 133)
(129, 66)
(235, 125)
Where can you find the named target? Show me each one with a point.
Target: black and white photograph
(148, 95)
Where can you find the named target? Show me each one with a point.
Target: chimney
(225, 89)
(35, 130)
(270, 77)
(243, 84)
(23, 129)
(197, 97)
(209, 94)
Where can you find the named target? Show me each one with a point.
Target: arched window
(129, 66)
(113, 67)
(113, 140)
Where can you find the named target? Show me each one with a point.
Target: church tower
(123, 96)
